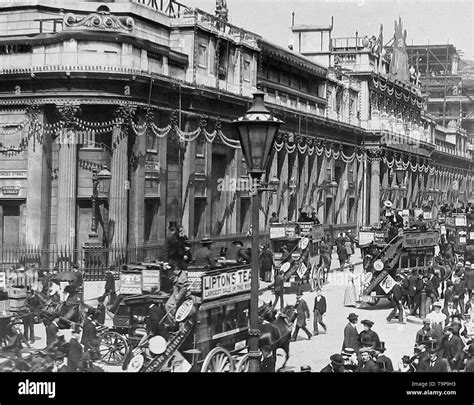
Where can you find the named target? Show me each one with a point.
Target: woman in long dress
(350, 294)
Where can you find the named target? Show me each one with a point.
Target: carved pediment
(99, 21)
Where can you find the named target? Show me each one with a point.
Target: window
(246, 71)
(202, 55)
(151, 219)
(199, 210)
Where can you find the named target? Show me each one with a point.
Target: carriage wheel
(218, 360)
(243, 365)
(112, 348)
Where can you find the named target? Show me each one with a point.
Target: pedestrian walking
(279, 290)
(341, 250)
(396, 295)
(302, 314)
(32, 305)
(319, 310)
(351, 335)
(109, 288)
(350, 293)
(459, 290)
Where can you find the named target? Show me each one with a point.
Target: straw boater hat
(437, 304)
(388, 204)
(348, 351)
(206, 241)
(365, 350)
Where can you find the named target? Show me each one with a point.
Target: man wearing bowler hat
(368, 334)
(336, 364)
(383, 362)
(203, 256)
(351, 335)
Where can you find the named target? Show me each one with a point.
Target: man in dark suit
(303, 314)
(396, 295)
(436, 362)
(203, 256)
(470, 280)
(453, 348)
(351, 335)
(33, 306)
(426, 332)
(366, 365)
(336, 365)
(89, 332)
(75, 352)
(52, 332)
(319, 310)
(414, 289)
(459, 290)
(383, 362)
(279, 290)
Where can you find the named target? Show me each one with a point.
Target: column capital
(125, 113)
(68, 112)
(374, 154)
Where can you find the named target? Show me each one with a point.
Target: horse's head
(290, 312)
(266, 312)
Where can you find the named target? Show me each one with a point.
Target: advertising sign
(277, 232)
(387, 284)
(365, 238)
(225, 283)
(301, 270)
(195, 280)
(420, 240)
(150, 280)
(130, 283)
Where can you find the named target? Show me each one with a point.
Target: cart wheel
(244, 364)
(373, 302)
(113, 348)
(218, 360)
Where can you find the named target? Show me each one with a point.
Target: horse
(69, 312)
(444, 270)
(275, 329)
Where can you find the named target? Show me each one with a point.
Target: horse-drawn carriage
(207, 331)
(459, 228)
(384, 259)
(295, 248)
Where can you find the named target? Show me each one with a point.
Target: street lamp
(257, 130)
(100, 189)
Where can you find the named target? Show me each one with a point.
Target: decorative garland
(398, 95)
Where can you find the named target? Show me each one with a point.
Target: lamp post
(257, 130)
(100, 178)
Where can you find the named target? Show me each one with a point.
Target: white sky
(433, 21)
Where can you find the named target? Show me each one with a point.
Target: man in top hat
(351, 335)
(366, 364)
(203, 256)
(75, 352)
(368, 334)
(436, 363)
(383, 362)
(453, 348)
(421, 358)
(336, 364)
(302, 314)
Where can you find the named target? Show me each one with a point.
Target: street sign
(387, 284)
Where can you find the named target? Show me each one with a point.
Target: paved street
(399, 339)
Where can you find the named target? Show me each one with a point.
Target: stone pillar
(67, 178)
(118, 193)
(136, 213)
(39, 183)
(375, 157)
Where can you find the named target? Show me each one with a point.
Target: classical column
(67, 176)
(67, 173)
(375, 155)
(118, 192)
(39, 183)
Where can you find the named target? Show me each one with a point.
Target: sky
(426, 21)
